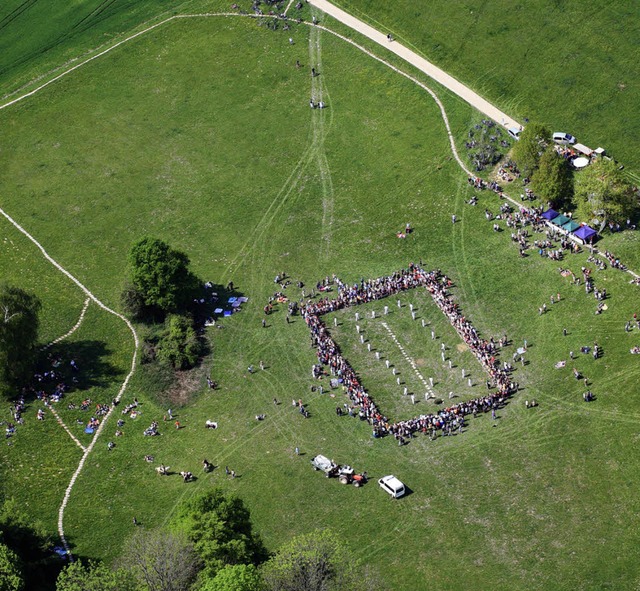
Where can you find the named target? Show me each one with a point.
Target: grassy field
(39, 40)
(200, 133)
(566, 64)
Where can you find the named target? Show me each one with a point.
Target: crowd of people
(533, 216)
(437, 284)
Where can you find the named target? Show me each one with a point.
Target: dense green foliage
(318, 561)
(11, 578)
(93, 576)
(219, 526)
(28, 552)
(160, 560)
(603, 194)
(18, 337)
(179, 346)
(553, 181)
(528, 151)
(236, 577)
(161, 277)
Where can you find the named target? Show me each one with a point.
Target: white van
(560, 137)
(392, 485)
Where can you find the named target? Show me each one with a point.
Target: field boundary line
(111, 48)
(408, 55)
(75, 327)
(123, 387)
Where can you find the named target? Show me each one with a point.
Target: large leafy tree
(18, 336)
(10, 571)
(93, 576)
(553, 180)
(318, 561)
(237, 577)
(161, 281)
(602, 194)
(219, 525)
(527, 152)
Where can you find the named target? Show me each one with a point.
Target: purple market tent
(550, 214)
(585, 233)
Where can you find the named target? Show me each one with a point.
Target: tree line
(208, 545)
(598, 194)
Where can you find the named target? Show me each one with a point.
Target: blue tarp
(550, 214)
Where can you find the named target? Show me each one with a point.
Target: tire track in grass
(269, 221)
(121, 391)
(340, 36)
(14, 14)
(272, 211)
(320, 131)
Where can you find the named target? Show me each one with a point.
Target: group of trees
(19, 321)
(599, 194)
(26, 558)
(210, 545)
(160, 292)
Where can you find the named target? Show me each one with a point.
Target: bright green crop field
(199, 132)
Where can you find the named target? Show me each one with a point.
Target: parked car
(392, 485)
(514, 132)
(560, 137)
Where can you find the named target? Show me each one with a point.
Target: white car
(514, 132)
(560, 137)
(392, 485)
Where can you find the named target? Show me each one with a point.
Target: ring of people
(500, 386)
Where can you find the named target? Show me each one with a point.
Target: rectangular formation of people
(437, 284)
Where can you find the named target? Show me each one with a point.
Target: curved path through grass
(89, 448)
(315, 151)
(440, 76)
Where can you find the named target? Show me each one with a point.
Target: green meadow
(200, 133)
(565, 63)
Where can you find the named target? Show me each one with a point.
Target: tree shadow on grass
(79, 365)
(215, 296)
